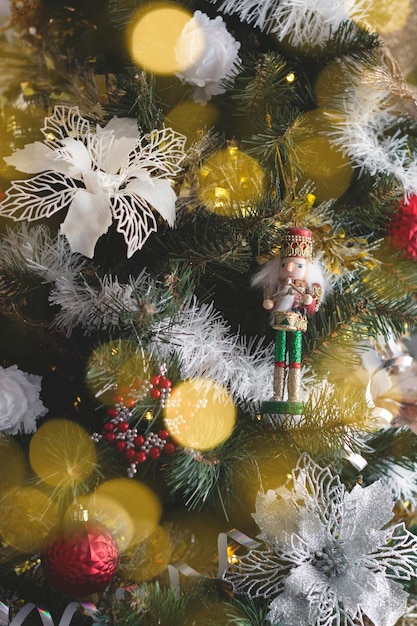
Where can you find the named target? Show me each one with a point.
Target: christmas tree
(208, 281)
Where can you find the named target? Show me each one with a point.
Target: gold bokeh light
(190, 118)
(318, 160)
(62, 454)
(386, 17)
(12, 463)
(27, 517)
(154, 39)
(199, 414)
(108, 512)
(118, 368)
(333, 82)
(230, 182)
(149, 558)
(139, 503)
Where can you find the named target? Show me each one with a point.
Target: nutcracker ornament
(294, 287)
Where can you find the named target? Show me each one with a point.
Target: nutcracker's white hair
(267, 276)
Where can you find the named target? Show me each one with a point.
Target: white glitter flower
(20, 404)
(330, 556)
(209, 54)
(99, 175)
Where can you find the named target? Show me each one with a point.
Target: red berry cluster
(160, 388)
(137, 448)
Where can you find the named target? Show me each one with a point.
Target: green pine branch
(351, 41)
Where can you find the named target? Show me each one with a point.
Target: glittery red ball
(403, 228)
(80, 559)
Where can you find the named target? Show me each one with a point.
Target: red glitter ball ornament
(80, 559)
(403, 229)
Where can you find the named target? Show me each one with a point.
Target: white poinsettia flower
(208, 54)
(20, 403)
(331, 556)
(99, 175)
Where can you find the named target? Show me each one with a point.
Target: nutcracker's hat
(297, 242)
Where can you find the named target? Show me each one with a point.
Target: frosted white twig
(365, 132)
(108, 305)
(303, 22)
(34, 250)
(205, 347)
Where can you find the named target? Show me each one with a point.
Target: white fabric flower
(330, 556)
(208, 53)
(100, 175)
(20, 404)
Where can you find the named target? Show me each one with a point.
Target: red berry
(154, 453)
(123, 427)
(165, 383)
(154, 380)
(110, 437)
(121, 445)
(139, 441)
(169, 448)
(140, 456)
(130, 402)
(130, 454)
(155, 393)
(109, 427)
(163, 434)
(112, 412)
(118, 399)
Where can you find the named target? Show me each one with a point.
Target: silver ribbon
(179, 567)
(45, 616)
(385, 415)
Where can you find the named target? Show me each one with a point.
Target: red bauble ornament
(403, 228)
(80, 559)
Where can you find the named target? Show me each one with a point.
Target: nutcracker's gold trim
(279, 381)
(297, 245)
(289, 320)
(294, 383)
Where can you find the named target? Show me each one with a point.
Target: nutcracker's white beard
(283, 301)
